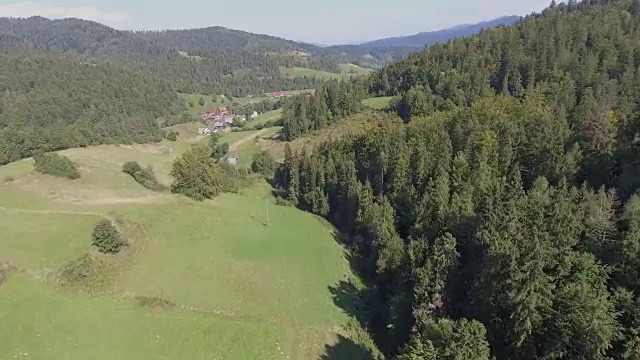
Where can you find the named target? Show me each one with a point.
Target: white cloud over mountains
(115, 18)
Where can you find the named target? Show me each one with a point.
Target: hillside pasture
(245, 149)
(201, 281)
(352, 125)
(266, 117)
(41, 322)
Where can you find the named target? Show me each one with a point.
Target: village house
(229, 118)
(209, 114)
(276, 94)
(254, 115)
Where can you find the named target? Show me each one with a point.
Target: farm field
(199, 280)
(346, 70)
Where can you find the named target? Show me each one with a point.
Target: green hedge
(145, 177)
(56, 165)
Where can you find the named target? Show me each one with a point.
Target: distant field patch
(299, 53)
(346, 71)
(186, 132)
(186, 55)
(353, 69)
(377, 103)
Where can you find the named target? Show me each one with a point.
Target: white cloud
(23, 9)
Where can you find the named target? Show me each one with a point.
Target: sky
(321, 21)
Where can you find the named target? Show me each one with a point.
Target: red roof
(222, 108)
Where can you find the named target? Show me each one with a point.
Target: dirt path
(120, 200)
(64, 212)
(237, 144)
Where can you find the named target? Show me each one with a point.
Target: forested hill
(51, 101)
(210, 60)
(501, 219)
(235, 62)
(434, 37)
(563, 44)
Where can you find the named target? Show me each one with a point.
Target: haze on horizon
(326, 22)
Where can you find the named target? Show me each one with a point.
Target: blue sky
(323, 21)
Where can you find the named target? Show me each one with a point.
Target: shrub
(106, 238)
(155, 302)
(196, 174)
(283, 202)
(263, 163)
(172, 136)
(56, 165)
(145, 177)
(9, 178)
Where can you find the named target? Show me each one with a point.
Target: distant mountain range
(433, 37)
(214, 59)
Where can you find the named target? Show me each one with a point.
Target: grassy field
(353, 69)
(245, 149)
(351, 125)
(346, 71)
(199, 280)
(266, 117)
(377, 103)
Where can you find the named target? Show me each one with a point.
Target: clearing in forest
(346, 72)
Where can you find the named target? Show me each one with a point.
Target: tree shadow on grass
(348, 298)
(345, 349)
(357, 300)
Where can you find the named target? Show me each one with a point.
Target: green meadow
(377, 103)
(202, 280)
(346, 71)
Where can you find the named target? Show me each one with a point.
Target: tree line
(499, 219)
(330, 102)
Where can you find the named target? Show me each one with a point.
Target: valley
(213, 193)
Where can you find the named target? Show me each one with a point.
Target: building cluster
(221, 119)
